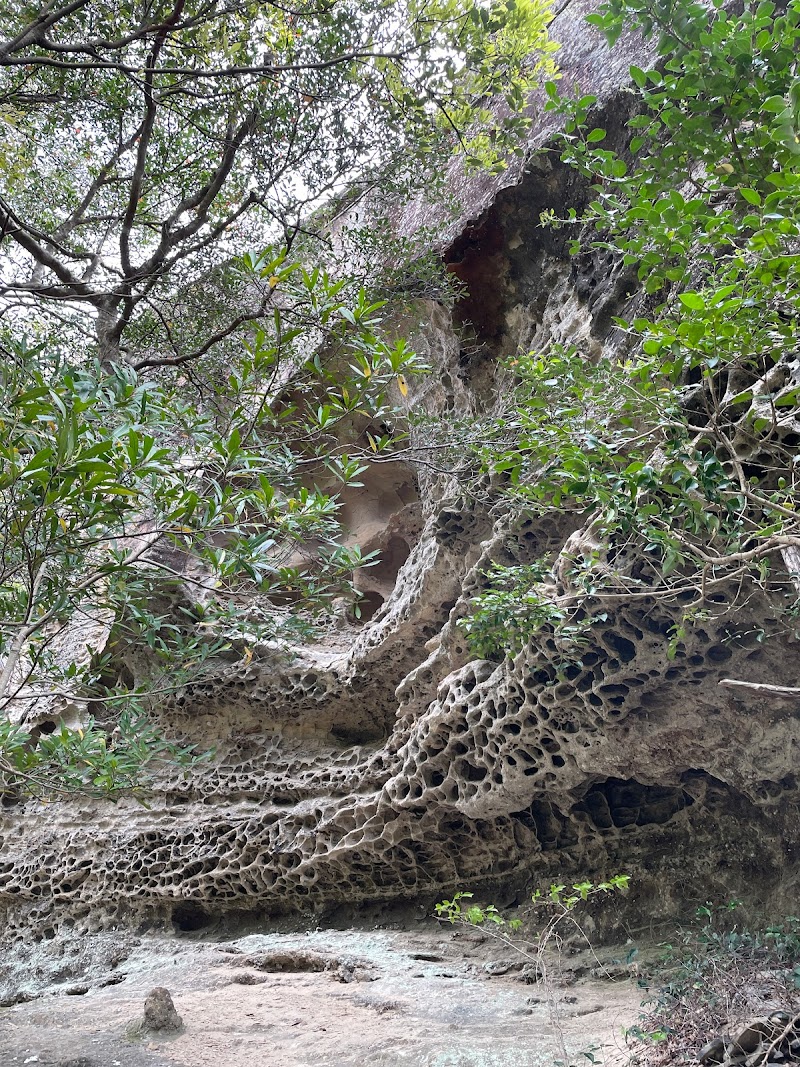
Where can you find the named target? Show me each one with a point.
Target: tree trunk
(791, 557)
(107, 331)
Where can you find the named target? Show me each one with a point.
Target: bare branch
(34, 32)
(192, 72)
(147, 127)
(14, 228)
(761, 687)
(210, 342)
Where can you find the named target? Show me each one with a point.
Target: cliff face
(387, 763)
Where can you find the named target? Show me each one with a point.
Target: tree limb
(761, 687)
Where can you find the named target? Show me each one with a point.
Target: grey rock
(159, 1012)
(495, 968)
(754, 1034)
(714, 1051)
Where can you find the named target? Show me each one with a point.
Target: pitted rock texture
(387, 763)
(159, 1012)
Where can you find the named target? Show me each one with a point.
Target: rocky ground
(423, 996)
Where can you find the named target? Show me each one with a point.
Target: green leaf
(638, 76)
(693, 301)
(751, 196)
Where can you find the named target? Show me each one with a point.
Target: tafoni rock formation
(386, 763)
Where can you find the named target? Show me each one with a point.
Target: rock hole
(625, 649)
(719, 654)
(369, 604)
(189, 916)
(471, 773)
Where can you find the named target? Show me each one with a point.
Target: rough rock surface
(387, 763)
(428, 1003)
(159, 1012)
(774, 1038)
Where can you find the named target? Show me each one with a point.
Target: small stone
(495, 968)
(159, 1012)
(782, 1018)
(248, 979)
(714, 1051)
(750, 1038)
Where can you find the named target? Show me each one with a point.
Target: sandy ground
(388, 998)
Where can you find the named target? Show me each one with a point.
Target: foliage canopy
(190, 378)
(145, 144)
(680, 452)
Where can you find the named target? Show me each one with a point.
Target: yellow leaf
(274, 281)
(62, 524)
(248, 655)
(402, 385)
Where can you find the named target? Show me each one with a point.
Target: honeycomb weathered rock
(388, 763)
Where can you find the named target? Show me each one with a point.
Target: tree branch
(761, 687)
(147, 126)
(35, 31)
(214, 339)
(14, 228)
(191, 72)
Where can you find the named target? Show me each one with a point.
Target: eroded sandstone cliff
(386, 762)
